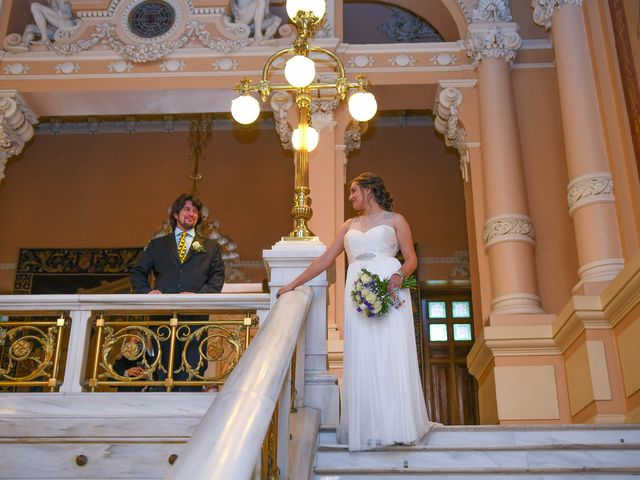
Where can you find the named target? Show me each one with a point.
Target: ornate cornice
(446, 122)
(281, 102)
(493, 40)
(543, 10)
(511, 227)
(16, 126)
(491, 11)
(589, 189)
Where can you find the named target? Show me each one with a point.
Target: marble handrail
(227, 442)
(142, 302)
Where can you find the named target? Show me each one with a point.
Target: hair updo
(376, 185)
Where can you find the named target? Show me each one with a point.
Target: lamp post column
(590, 190)
(508, 231)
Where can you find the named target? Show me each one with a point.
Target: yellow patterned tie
(182, 247)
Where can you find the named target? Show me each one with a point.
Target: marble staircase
(585, 452)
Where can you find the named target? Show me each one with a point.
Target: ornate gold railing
(30, 353)
(154, 352)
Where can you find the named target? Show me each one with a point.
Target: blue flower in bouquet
(371, 296)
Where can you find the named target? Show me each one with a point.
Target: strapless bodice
(379, 241)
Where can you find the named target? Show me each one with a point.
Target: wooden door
(447, 330)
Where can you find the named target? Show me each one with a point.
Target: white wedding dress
(382, 399)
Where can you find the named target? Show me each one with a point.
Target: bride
(382, 399)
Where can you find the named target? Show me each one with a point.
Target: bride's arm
(405, 242)
(321, 263)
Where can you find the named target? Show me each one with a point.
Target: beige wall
(424, 179)
(113, 190)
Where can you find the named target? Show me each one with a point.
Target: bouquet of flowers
(371, 294)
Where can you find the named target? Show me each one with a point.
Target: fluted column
(16, 126)
(508, 232)
(590, 190)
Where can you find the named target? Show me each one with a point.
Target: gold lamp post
(300, 73)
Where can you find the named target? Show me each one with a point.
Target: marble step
(504, 436)
(545, 452)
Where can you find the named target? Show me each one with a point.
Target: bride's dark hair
(376, 184)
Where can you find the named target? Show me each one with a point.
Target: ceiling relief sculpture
(143, 31)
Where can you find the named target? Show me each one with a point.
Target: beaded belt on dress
(366, 256)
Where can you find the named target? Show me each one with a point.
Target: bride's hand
(395, 282)
(285, 289)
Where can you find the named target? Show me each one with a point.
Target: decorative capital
(16, 126)
(491, 11)
(589, 189)
(543, 10)
(493, 40)
(447, 123)
(513, 227)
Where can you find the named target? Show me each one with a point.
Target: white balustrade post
(286, 259)
(79, 340)
(284, 409)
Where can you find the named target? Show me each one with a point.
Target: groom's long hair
(375, 183)
(179, 203)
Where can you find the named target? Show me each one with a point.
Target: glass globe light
(312, 138)
(299, 71)
(362, 106)
(245, 109)
(317, 7)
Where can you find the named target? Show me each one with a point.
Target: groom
(182, 262)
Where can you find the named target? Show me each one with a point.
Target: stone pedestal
(285, 260)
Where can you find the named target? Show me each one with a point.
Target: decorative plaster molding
(589, 189)
(322, 113)
(16, 126)
(446, 122)
(402, 60)
(465, 12)
(511, 227)
(281, 102)
(16, 68)
(361, 61)
(353, 136)
(543, 10)
(493, 40)
(492, 11)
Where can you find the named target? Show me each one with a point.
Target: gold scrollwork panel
(31, 352)
(135, 352)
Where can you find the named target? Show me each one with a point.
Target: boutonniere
(197, 247)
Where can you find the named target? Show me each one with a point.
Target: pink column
(590, 190)
(508, 232)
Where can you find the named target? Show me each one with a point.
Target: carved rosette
(589, 189)
(511, 227)
(446, 122)
(493, 40)
(16, 126)
(543, 10)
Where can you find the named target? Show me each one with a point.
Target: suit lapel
(171, 244)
